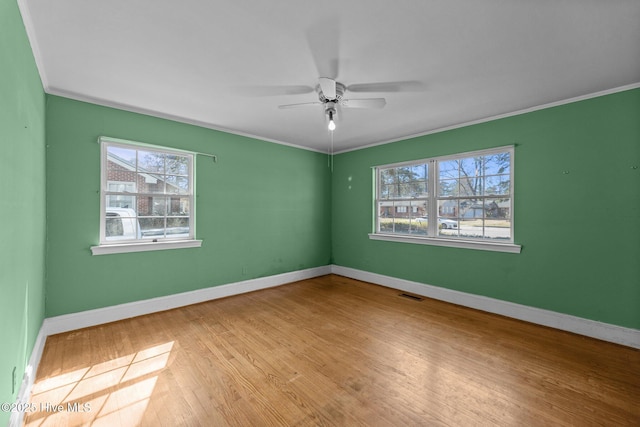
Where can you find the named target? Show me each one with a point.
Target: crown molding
(49, 89)
(502, 116)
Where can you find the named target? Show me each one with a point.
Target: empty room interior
(320, 213)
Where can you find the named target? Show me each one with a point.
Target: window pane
(152, 206)
(496, 164)
(471, 167)
(403, 217)
(448, 224)
(448, 208)
(121, 186)
(408, 190)
(152, 227)
(385, 217)
(394, 190)
(420, 209)
(448, 188)
(470, 176)
(498, 219)
(177, 165)
(120, 224)
(404, 173)
(390, 176)
(419, 172)
(470, 186)
(470, 209)
(113, 226)
(121, 158)
(385, 191)
(178, 227)
(151, 183)
(503, 210)
(471, 228)
(448, 227)
(178, 206)
(448, 169)
(177, 184)
(386, 176)
(471, 213)
(121, 201)
(496, 185)
(416, 216)
(403, 182)
(151, 161)
(420, 188)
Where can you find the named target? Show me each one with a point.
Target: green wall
(262, 210)
(22, 201)
(266, 209)
(576, 213)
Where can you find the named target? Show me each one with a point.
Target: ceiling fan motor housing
(340, 88)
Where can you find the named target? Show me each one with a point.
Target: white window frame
(432, 237)
(137, 244)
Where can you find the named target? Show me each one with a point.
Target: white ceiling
(228, 64)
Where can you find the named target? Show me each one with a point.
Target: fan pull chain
(331, 152)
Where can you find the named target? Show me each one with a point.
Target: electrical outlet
(14, 380)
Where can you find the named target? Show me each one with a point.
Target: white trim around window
(147, 198)
(144, 247)
(471, 194)
(450, 243)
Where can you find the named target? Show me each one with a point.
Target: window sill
(144, 247)
(452, 243)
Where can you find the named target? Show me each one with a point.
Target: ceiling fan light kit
(331, 112)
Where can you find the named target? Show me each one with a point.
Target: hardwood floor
(337, 352)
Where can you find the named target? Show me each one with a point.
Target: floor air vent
(412, 297)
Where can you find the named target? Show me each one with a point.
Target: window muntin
(471, 194)
(146, 193)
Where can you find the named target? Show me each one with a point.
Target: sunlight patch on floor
(112, 393)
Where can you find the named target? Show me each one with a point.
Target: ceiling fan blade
(401, 86)
(323, 40)
(273, 90)
(328, 87)
(363, 103)
(304, 104)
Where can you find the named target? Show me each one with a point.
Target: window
(470, 196)
(146, 197)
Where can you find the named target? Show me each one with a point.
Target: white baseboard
(28, 378)
(99, 316)
(590, 328)
(84, 319)
(69, 322)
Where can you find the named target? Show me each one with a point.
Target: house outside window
(147, 194)
(121, 201)
(469, 195)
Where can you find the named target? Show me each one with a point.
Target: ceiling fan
(323, 40)
(331, 95)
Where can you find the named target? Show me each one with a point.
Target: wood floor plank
(332, 351)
